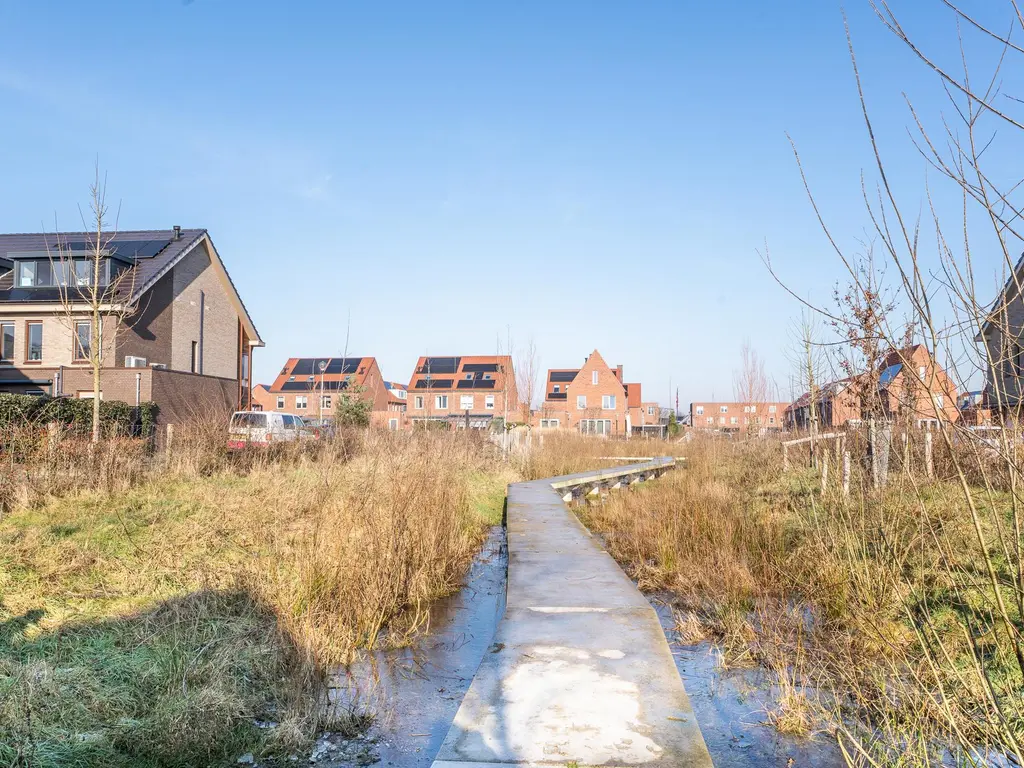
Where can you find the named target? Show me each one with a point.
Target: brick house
(478, 391)
(184, 339)
(591, 399)
(644, 416)
(838, 404)
(310, 387)
(1004, 348)
(912, 386)
(739, 418)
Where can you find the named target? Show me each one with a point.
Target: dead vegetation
(162, 616)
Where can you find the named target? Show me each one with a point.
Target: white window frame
(650, 410)
(593, 378)
(280, 402)
(732, 420)
(699, 410)
(607, 402)
(393, 424)
(301, 402)
(14, 341)
(549, 423)
(417, 402)
(723, 409)
(771, 409)
(489, 402)
(465, 402)
(441, 402)
(581, 402)
(325, 402)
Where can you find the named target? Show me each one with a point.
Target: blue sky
(591, 174)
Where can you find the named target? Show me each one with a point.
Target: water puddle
(414, 692)
(730, 707)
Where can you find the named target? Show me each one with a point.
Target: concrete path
(580, 672)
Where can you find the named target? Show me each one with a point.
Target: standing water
(414, 692)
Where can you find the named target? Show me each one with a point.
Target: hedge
(116, 418)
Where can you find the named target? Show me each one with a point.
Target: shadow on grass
(182, 684)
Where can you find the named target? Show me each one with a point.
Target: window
(34, 342)
(466, 402)
(290, 422)
(392, 424)
(581, 402)
(6, 342)
(417, 402)
(195, 357)
(489, 402)
(723, 409)
(57, 271)
(549, 423)
(593, 378)
(608, 402)
(325, 402)
(556, 388)
(711, 419)
(300, 402)
(771, 409)
(721, 419)
(280, 402)
(753, 409)
(441, 402)
(771, 419)
(596, 426)
(83, 340)
(746, 409)
(939, 401)
(650, 410)
(732, 419)
(920, 369)
(699, 410)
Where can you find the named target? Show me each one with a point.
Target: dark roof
(152, 251)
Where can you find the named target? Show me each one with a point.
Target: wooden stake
(929, 466)
(846, 474)
(824, 470)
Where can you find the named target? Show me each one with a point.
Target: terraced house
(311, 386)
(591, 399)
(475, 392)
(174, 330)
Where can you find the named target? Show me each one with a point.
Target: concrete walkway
(580, 672)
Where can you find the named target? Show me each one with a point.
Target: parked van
(262, 428)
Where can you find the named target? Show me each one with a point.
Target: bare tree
(95, 290)
(752, 386)
(526, 377)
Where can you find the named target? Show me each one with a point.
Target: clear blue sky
(592, 174)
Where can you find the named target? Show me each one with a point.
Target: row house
(591, 399)
(174, 329)
(476, 391)
(737, 417)
(310, 387)
(909, 386)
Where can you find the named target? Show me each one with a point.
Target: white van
(262, 428)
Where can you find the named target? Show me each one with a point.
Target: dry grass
(153, 624)
(853, 600)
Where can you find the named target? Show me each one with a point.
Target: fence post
(52, 438)
(785, 458)
(873, 447)
(906, 451)
(929, 467)
(824, 470)
(846, 474)
(170, 438)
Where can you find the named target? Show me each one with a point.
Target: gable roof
(303, 374)
(152, 252)
(1006, 295)
(490, 373)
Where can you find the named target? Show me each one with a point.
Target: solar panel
(126, 249)
(313, 388)
(434, 384)
(307, 366)
(557, 396)
(465, 384)
(483, 384)
(434, 365)
(886, 377)
(563, 375)
(480, 368)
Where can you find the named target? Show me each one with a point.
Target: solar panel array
(476, 384)
(307, 366)
(563, 375)
(557, 396)
(436, 365)
(434, 384)
(480, 368)
(314, 386)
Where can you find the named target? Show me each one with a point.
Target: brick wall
(200, 293)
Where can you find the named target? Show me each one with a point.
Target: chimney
(177, 232)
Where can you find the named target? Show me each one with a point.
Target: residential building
(644, 416)
(1002, 334)
(591, 399)
(913, 387)
(174, 332)
(837, 404)
(736, 417)
(310, 387)
(475, 391)
(974, 409)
